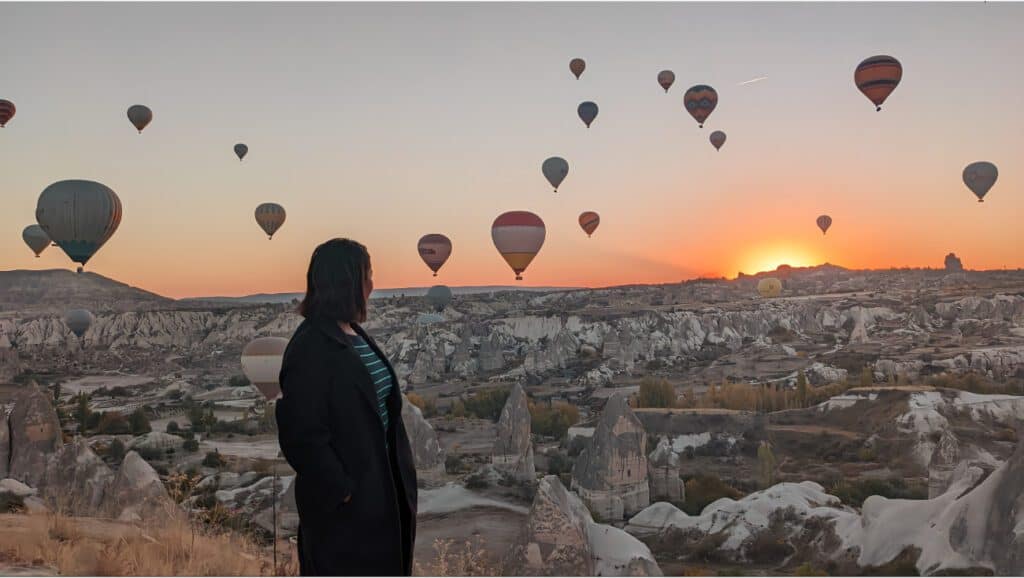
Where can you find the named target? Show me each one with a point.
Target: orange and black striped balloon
(7, 111)
(700, 101)
(589, 221)
(877, 77)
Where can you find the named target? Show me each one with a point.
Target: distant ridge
(261, 298)
(55, 290)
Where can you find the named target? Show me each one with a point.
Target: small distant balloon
(78, 321)
(434, 249)
(140, 116)
(36, 239)
(717, 139)
(666, 78)
(700, 101)
(589, 220)
(577, 66)
(261, 363)
(824, 222)
(555, 170)
(270, 217)
(769, 287)
(877, 77)
(979, 177)
(240, 151)
(439, 296)
(79, 216)
(518, 236)
(587, 111)
(7, 110)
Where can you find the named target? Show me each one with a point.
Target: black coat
(331, 434)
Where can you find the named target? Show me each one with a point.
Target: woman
(340, 424)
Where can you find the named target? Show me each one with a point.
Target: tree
(112, 422)
(213, 459)
(173, 427)
(656, 393)
(190, 445)
(82, 412)
(801, 389)
(139, 423)
(867, 376)
(117, 450)
(766, 464)
(238, 381)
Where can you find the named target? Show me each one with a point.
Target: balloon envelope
(79, 216)
(241, 150)
(700, 101)
(589, 221)
(439, 296)
(78, 321)
(769, 287)
(36, 238)
(666, 78)
(824, 222)
(140, 116)
(7, 110)
(577, 66)
(587, 111)
(518, 236)
(434, 249)
(979, 177)
(717, 139)
(270, 217)
(555, 170)
(877, 77)
(261, 363)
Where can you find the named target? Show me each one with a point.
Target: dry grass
(466, 559)
(95, 547)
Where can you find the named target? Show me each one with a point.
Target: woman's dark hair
(335, 281)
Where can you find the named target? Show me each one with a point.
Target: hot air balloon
(7, 110)
(577, 66)
(434, 249)
(36, 239)
(717, 139)
(439, 296)
(587, 111)
(589, 220)
(140, 116)
(555, 170)
(79, 216)
(78, 321)
(666, 78)
(824, 222)
(700, 101)
(240, 151)
(979, 177)
(261, 363)
(769, 287)
(518, 236)
(877, 77)
(270, 217)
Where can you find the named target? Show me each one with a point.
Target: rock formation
(513, 449)
(611, 473)
(76, 479)
(35, 434)
(136, 492)
(663, 471)
(9, 366)
(953, 264)
(426, 451)
(492, 355)
(944, 461)
(5, 444)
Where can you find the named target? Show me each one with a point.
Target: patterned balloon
(577, 66)
(261, 363)
(518, 236)
(877, 77)
(589, 220)
(666, 78)
(79, 216)
(700, 101)
(270, 217)
(434, 249)
(979, 177)
(824, 222)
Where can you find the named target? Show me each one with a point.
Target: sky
(385, 122)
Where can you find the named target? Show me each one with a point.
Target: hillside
(54, 290)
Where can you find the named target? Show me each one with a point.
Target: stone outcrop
(136, 492)
(492, 354)
(944, 461)
(9, 364)
(953, 264)
(611, 472)
(76, 480)
(513, 449)
(35, 434)
(426, 450)
(5, 444)
(663, 472)
(156, 441)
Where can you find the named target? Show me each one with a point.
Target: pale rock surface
(35, 434)
(513, 448)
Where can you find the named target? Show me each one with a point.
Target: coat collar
(330, 328)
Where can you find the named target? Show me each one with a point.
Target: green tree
(656, 393)
(139, 423)
(82, 412)
(766, 464)
(173, 427)
(213, 459)
(801, 389)
(117, 450)
(238, 381)
(488, 404)
(867, 376)
(190, 445)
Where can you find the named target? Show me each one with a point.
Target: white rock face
(136, 492)
(663, 465)
(513, 448)
(156, 441)
(426, 451)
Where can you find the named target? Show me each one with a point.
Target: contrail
(753, 80)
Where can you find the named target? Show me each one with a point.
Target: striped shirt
(379, 374)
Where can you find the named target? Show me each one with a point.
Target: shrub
(553, 420)
(703, 489)
(488, 404)
(190, 445)
(112, 423)
(559, 464)
(453, 464)
(173, 427)
(807, 569)
(238, 381)
(213, 460)
(139, 423)
(150, 454)
(458, 409)
(116, 451)
(853, 493)
(427, 406)
(656, 393)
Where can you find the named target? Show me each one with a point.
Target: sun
(769, 257)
